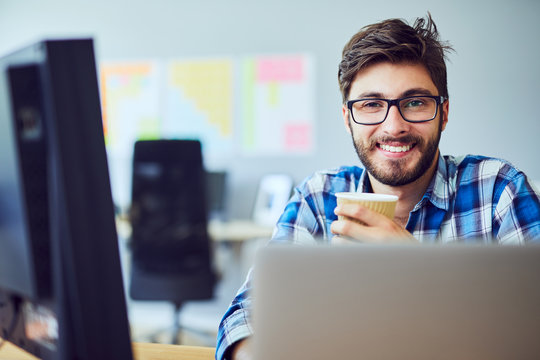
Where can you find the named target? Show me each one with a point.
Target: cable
(16, 314)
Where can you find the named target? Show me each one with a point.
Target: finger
(362, 214)
(349, 229)
(371, 234)
(343, 240)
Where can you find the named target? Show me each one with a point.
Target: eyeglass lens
(418, 108)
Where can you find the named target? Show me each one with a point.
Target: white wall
(494, 76)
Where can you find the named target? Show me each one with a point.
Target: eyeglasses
(415, 109)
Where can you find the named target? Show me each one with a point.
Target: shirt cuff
(232, 335)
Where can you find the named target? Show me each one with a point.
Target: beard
(393, 172)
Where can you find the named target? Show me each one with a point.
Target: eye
(415, 102)
(371, 104)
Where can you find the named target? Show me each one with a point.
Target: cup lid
(367, 196)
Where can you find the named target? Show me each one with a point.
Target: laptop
(397, 302)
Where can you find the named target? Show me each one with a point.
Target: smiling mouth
(396, 149)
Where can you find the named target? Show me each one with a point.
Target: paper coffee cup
(381, 203)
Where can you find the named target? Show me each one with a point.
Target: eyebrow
(409, 92)
(416, 91)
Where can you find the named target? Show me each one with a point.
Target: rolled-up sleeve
(236, 323)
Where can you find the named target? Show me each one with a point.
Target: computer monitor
(61, 289)
(216, 189)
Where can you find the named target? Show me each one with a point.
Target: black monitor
(61, 288)
(216, 189)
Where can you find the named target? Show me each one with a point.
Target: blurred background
(256, 83)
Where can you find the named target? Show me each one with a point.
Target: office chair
(171, 251)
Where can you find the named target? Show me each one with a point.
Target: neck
(409, 194)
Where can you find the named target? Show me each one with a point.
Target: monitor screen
(61, 289)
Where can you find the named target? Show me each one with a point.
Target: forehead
(391, 80)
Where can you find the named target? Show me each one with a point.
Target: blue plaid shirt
(470, 199)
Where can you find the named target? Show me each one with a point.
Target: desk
(141, 351)
(219, 231)
(237, 230)
(145, 351)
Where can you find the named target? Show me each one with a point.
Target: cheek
(427, 130)
(363, 133)
(435, 129)
(348, 127)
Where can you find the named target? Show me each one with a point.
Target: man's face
(395, 152)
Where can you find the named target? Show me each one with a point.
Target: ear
(345, 115)
(444, 117)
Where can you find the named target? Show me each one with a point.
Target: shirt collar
(364, 185)
(438, 191)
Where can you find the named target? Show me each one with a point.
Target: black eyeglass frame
(438, 99)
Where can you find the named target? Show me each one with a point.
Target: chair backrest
(169, 210)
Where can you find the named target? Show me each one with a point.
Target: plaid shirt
(470, 199)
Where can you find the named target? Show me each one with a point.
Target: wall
(494, 77)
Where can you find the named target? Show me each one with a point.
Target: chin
(399, 172)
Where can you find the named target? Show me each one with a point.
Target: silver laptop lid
(397, 302)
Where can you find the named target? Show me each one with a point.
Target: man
(395, 106)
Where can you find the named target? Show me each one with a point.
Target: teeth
(396, 149)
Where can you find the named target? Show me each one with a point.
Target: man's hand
(366, 225)
(242, 350)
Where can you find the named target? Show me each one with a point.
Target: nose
(394, 124)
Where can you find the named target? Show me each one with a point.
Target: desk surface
(231, 230)
(238, 230)
(141, 351)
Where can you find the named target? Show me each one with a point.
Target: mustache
(403, 139)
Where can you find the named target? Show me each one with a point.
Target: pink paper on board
(298, 137)
(280, 69)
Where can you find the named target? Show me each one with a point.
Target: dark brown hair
(395, 41)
